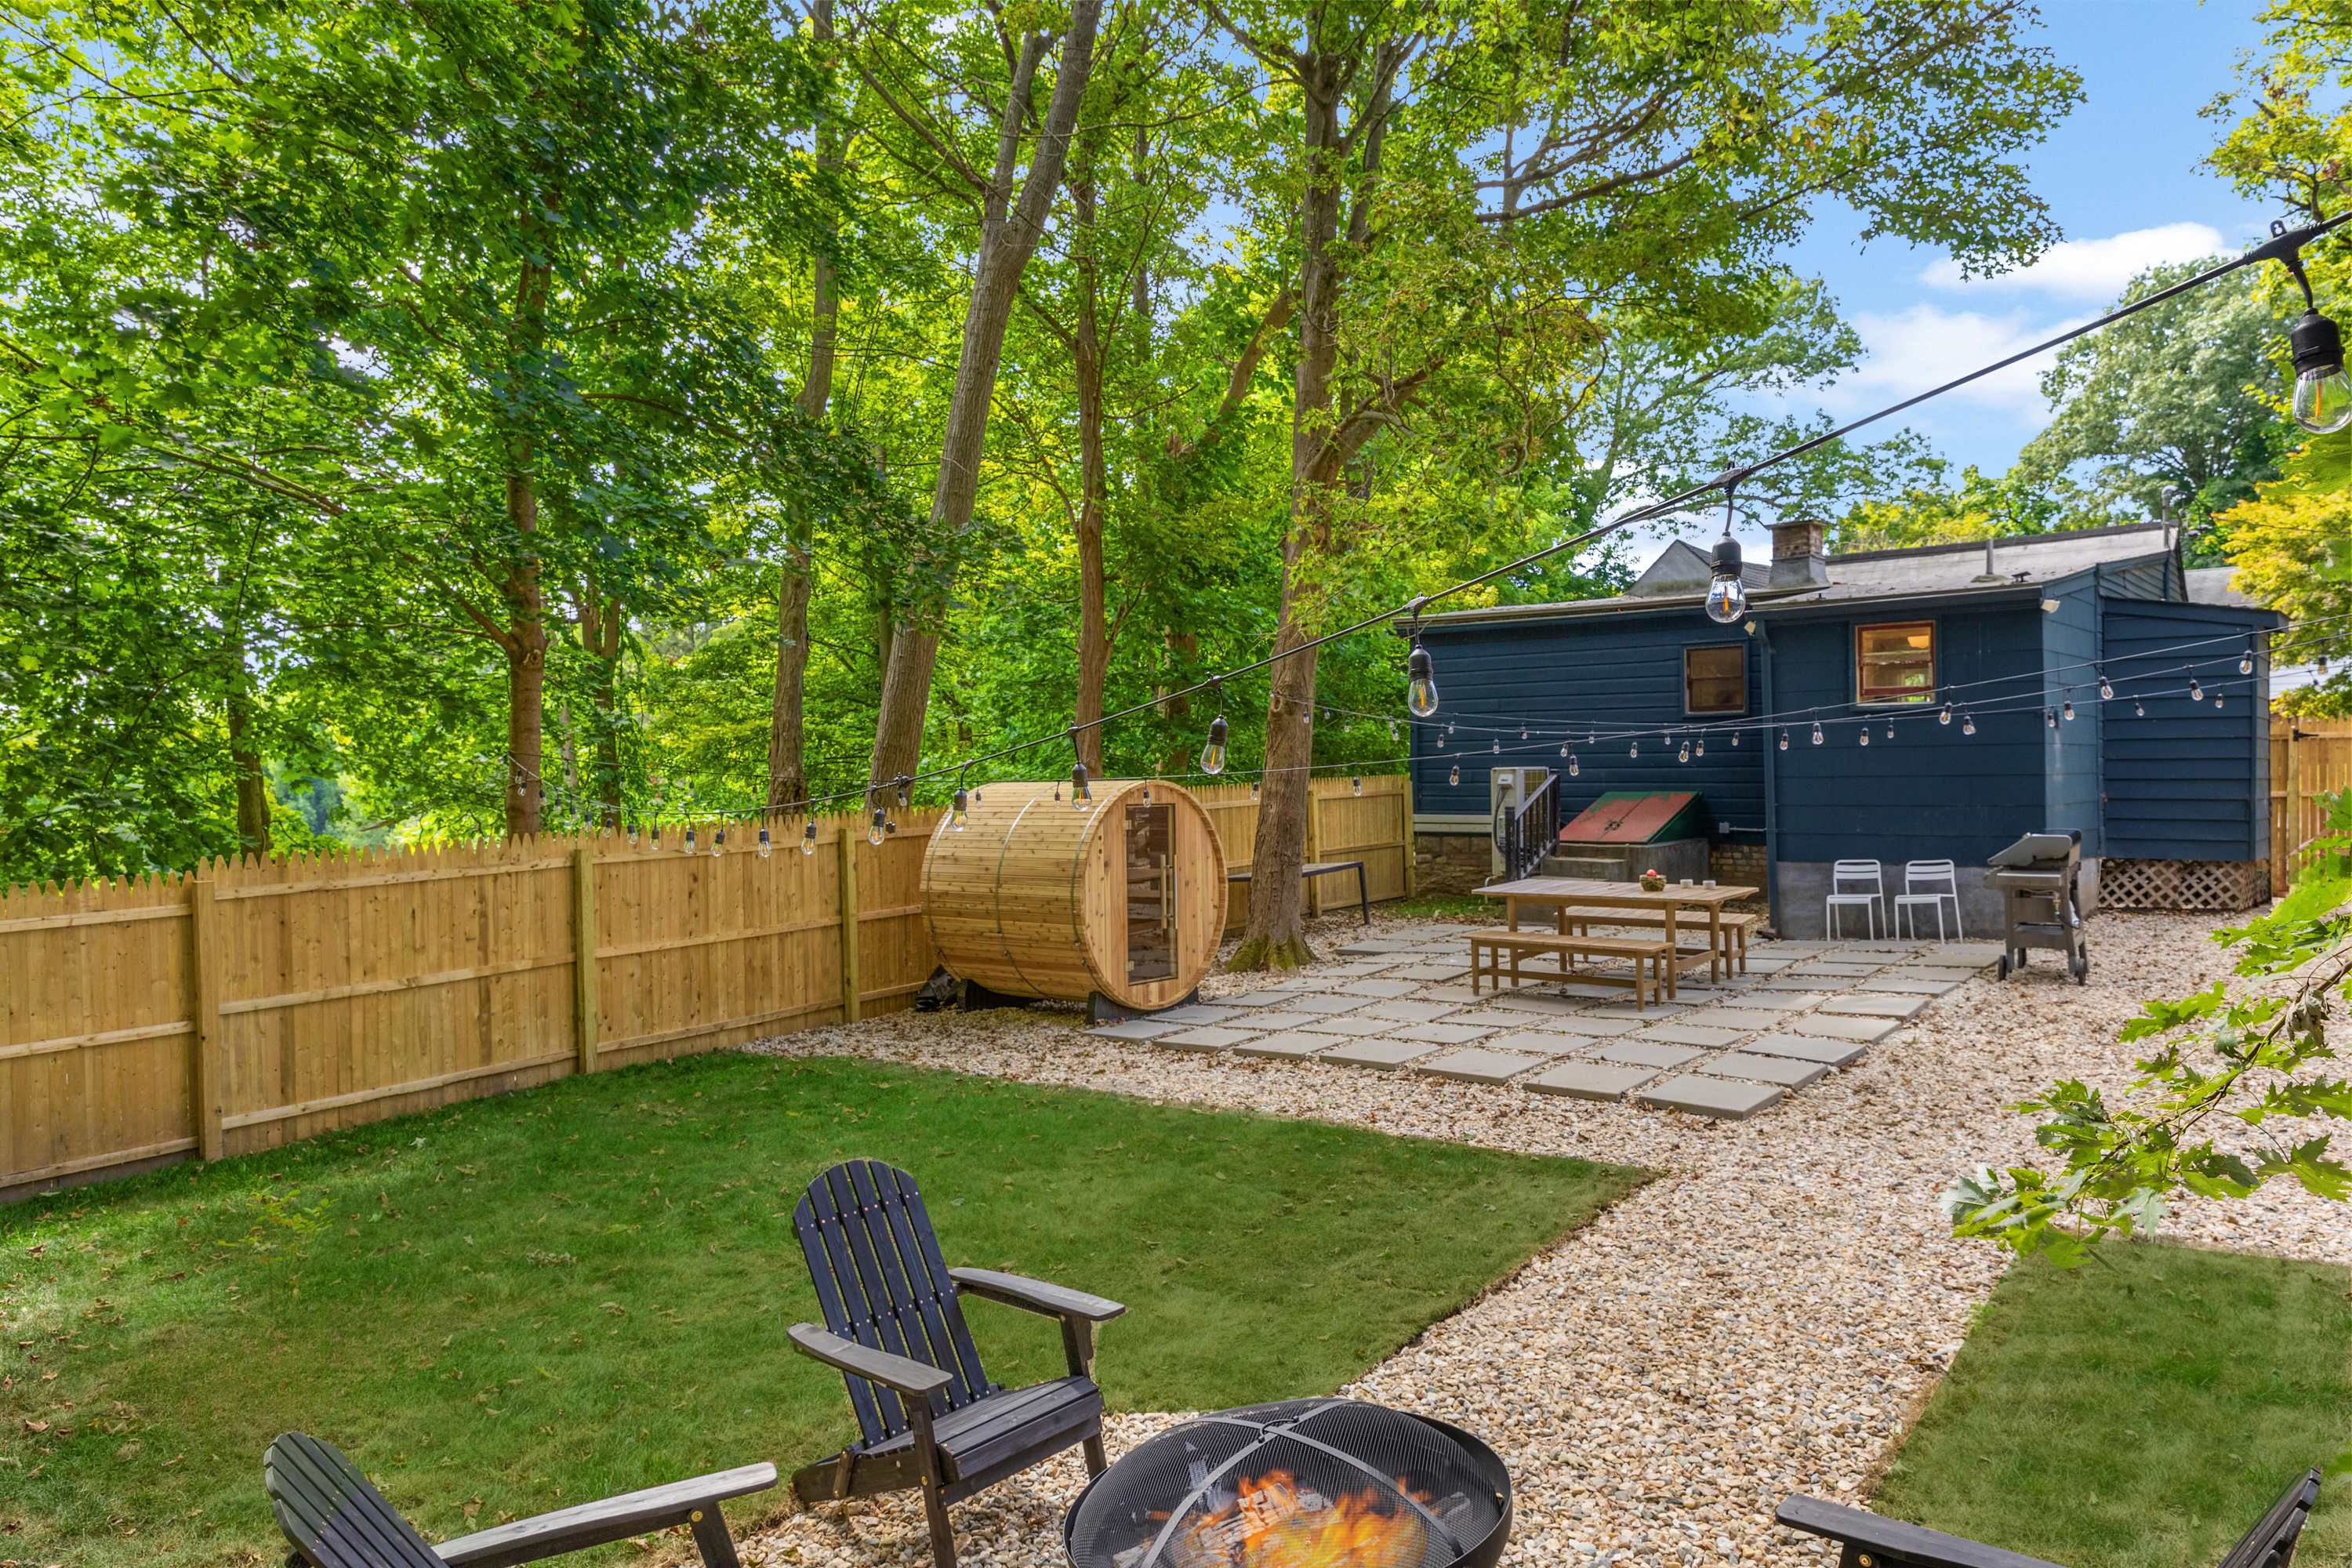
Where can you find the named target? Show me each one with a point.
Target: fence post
(586, 1026)
(204, 1010)
(1314, 846)
(850, 985)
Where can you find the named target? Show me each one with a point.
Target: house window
(1895, 662)
(1715, 678)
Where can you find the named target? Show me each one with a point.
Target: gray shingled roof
(2017, 562)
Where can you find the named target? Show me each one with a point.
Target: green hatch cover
(1631, 816)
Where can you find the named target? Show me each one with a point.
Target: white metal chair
(1872, 904)
(1920, 879)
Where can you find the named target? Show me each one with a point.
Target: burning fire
(1274, 1523)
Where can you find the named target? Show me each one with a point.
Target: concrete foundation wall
(1803, 886)
(1679, 859)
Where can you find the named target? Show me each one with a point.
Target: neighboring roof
(1683, 568)
(2217, 585)
(2019, 562)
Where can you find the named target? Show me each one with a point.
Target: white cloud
(2094, 269)
(1909, 350)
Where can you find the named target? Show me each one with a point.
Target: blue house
(1960, 663)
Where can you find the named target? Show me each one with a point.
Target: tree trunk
(1277, 936)
(1094, 488)
(600, 638)
(244, 761)
(525, 645)
(1009, 232)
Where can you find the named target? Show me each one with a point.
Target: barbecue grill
(1302, 1483)
(2039, 879)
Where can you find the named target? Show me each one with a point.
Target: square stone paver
(1207, 1037)
(1806, 1048)
(1901, 984)
(1715, 1097)
(1456, 993)
(1635, 1054)
(1789, 1072)
(1590, 1080)
(1407, 1012)
(1428, 971)
(1441, 1034)
(1326, 1002)
(1961, 954)
(1505, 1018)
(1478, 1066)
(1384, 1054)
(1198, 1012)
(1869, 1031)
(1627, 1009)
(1591, 1024)
(1838, 966)
(1766, 963)
(1347, 1025)
(1875, 1004)
(1285, 1047)
(1932, 971)
(1379, 988)
(1779, 1001)
(1256, 999)
(1537, 1002)
(1377, 946)
(1800, 980)
(1682, 1033)
(1273, 1018)
(1136, 1030)
(1741, 1017)
(1543, 1042)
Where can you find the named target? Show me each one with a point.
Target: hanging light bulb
(2107, 687)
(717, 842)
(1495, 746)
(958, 809)
(2196, 689)
(1946, 716)
(1784, 740)
(1726, 594)
(2049, 718)
(2217, 697)
(1523, 732)
(1393, 735)
(690, 841)
(2246, 660)
(1253, 789)
(1968, 723)
(1563, 748)
(1080, 795)
(1734, 738)
(1449, 726)
(1698, 747)
(1633, 749)
(808, 837)
(2322, 394)
(653, 837)
(1684, 755)
(1421, 680)
(767, 845)
(1817, 732)
(633, 836)
(1441, 740)
(902, 781)
(1212, 750)
(1592, 737)
(1357, 783)
(1455, 776)
(2067, 712)
(1865, 734)
(1147, 795)
(1572, 768)
(1890, 728)
(876, 830)
(2139, 708)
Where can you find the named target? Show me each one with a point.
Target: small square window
(1895, 663)
(1715, 678)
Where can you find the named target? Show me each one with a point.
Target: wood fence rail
(250, 1004)
(2309, 758)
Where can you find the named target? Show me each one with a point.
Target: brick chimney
(1798, 560)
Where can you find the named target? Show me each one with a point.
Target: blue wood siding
(2155, 578)
(1932, 792)
(2188, 782)
(2069, 646)
(1611, 673)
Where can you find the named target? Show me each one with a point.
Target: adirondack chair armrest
(599, 1523)
(1036, 1295)
(1892, 1542)
(898, 1374)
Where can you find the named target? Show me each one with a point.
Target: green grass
(524, 1302)
(2138, 1415)
(1447, 907)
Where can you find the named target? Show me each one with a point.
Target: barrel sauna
(1121, 900)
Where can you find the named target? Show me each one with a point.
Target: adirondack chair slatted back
(880, 1280)
(330, 1513)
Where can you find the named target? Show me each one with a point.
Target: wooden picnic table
(1589, 892)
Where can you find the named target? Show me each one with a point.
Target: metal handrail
(1522, 851)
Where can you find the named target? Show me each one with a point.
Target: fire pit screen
(1306, 1483)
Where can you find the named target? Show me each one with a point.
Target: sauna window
(1150, 892)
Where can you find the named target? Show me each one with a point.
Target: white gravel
(1765, 1316)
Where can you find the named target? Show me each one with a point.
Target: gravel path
(1764, 1317)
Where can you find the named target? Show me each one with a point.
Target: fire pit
(1305, 1483)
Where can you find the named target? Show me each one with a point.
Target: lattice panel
(2196, 886)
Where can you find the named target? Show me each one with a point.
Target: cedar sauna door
(1150, 892)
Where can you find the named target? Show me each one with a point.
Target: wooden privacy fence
(2309, 758)
(252, 1004)
(1375, 826)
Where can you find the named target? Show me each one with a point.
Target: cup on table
(1710, 882)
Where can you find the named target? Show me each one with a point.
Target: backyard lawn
(534, 1301)
(2139, 1415)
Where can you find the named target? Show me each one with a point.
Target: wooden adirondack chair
(1872, 1542)
(894, 1329)
(336, 1519)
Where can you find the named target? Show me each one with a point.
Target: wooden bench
(1736, 929)
(1647, 979)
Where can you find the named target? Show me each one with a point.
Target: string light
(902, 781)
(1080, 795)
(1817, 732)
(878, 831)
(1890, 728)
(959, 808)
(2218, 696)
(1497, 746)
(1357, 783)
(2323, 395)
(717, 842)
(1727, 592)
(1421, 678)
(2107, 687)
(690, 841)
(2049, 718)
(767, 845)
(2139, 708)
(808, 837)
(1968, 723)
(2246, 660)
(1865, 734)
(1212, 751)
(1946, 716)
(1572, 769)
(1633, 749)
(2068, 711)
(1685, 754)
(2196, 689)
(1734, 738)
(1784, 740)
(1698, 747)
(1455, 776)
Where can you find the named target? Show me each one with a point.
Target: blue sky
(2124, 179)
